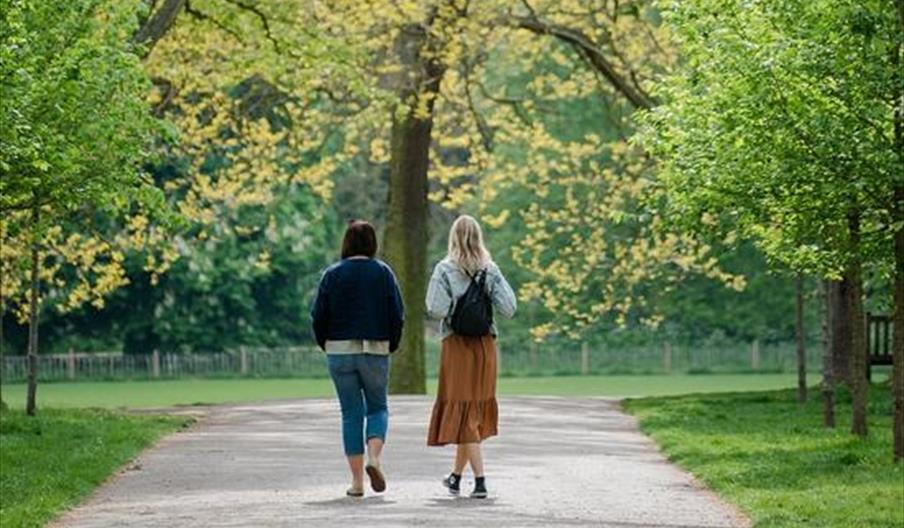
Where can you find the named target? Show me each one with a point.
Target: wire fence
(307, 362)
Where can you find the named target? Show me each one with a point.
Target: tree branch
(157, 25)
(169, 93)
(516, 104)
(265, 22)
(199, 15)
(486, 132)
(24, 205)
(592, 54)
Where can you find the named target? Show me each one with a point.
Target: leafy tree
(417, 74)
(779, 127)
(76, 131)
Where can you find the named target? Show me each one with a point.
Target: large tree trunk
(406, 235)
(839, 305)
(801, 346)
(406, 247)
(828, 363)
(859, 384)
(31, 397)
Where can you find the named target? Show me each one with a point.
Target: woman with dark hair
(358, 319)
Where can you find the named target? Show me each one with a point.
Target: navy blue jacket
(358, 299)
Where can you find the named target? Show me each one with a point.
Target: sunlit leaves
(779, 125)
(76, 132)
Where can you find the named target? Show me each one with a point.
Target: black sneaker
(453, 483)
(480, 488)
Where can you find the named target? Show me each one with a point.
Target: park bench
(878, 341)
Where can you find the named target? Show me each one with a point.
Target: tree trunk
(30, 402)
(897, 376)
(859, 385)
(2, 342)
(839, 306)
(828, 363)
(406, 237)
(897, 385)
(801, 346)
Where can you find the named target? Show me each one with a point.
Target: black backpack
(473, 313)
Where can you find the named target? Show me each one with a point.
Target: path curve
(558, 462)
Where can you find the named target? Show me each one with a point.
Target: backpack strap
(480, 277)
(477, 274)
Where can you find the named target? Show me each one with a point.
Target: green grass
(637, 386)
(51, 461)
(773, 458)
(112, 394)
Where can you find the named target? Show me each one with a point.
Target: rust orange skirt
(465, 410)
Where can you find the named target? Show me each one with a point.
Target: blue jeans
(361, 381)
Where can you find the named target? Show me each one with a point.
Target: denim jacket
(448, 283)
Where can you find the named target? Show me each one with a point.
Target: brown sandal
(377, 480)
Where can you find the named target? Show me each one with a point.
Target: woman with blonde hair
(464, 291)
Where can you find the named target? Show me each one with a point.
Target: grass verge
(53, 460)
(772, 457)
(111, 394)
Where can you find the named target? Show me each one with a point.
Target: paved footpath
(557, 462)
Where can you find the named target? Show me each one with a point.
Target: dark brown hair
(360, 239)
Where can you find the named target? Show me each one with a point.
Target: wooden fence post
(534, 354)
(585, 358)
(155, 364)
(667, 357)
(244, 354)
(755, 355)
(71, 364)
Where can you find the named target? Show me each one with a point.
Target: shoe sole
(377, 480)
(482, 495)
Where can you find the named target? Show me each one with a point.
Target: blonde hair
(466, 248)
